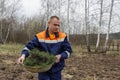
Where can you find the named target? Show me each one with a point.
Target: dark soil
(78, 67)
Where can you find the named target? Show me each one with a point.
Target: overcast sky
(30, 7)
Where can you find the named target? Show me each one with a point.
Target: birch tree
(2, 9)
(86, 25)
(109, 23)
(3, 15)
(99, 27)
(7, 11)
(68, 19)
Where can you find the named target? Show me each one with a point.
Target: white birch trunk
(68, 25)
(99, 27)
(86, 25)
(107, 36)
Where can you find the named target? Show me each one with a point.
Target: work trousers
(49, 76)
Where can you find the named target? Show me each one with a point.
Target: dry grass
(78, 49)
(11, 48)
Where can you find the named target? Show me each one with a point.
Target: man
(53, 41)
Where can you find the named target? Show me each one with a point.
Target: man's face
(54, 25)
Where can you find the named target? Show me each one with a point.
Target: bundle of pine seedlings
(39, 61)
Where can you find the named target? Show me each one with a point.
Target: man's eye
(56, 24)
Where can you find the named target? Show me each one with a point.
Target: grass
(77, 49)
(113, 52)
(11, 48)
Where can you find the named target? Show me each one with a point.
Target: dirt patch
(93, 67)
(9, 70)
(78, 67)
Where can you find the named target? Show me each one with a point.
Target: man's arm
(67, 50)
(25, 52)
(30, 45)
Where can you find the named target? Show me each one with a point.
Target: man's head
(54, 24)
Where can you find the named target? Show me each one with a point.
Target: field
(80, 66)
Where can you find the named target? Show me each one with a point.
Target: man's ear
(48, 23)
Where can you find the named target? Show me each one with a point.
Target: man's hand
(21, 59)
(58, 57)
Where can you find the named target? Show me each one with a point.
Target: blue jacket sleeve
(67, 50)
(30, 45)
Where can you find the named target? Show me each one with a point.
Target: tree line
(77, 17)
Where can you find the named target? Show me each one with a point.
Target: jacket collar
(47, 33)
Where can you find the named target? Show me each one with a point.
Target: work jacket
(58, 45)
